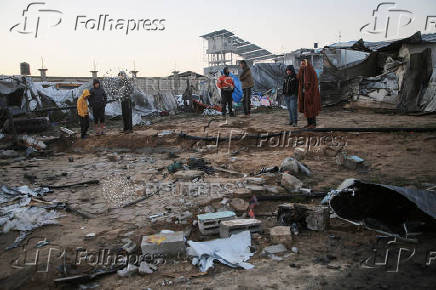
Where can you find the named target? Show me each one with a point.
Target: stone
(144, 268)
(274, 249)
(239, 204)
(242, 192)
(188, 174)
(255, 189)
(113, 157)
(230, 227)
(128, 271)
(348, 161)
(167, 244)
(129, 245)
(315, 217)
(294, 166)
(330, 151)
(294, 250)
(290, 182)
(209, 223)
(281, 235)
(255, 180)
(299, 153)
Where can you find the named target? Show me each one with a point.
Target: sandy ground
(129, 164)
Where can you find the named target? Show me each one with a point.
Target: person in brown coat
(247, 83)
(309, 100)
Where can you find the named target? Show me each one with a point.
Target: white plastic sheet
(233, 251)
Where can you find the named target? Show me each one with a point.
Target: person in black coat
(97, 101)
(290, 93)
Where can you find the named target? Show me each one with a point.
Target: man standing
(98, 100)
(309, 100)
(125, 91)
(225, 83)
(247, 84)
(290, 93)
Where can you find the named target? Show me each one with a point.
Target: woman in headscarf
(309, 100)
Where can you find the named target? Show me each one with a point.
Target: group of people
(97, 99)
(301, 92)
(227, 86)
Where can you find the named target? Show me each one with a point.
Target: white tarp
(233, 251)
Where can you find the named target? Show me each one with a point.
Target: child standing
(82, 111)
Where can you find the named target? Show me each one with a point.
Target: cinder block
(209, 223)
(230, 227)
(167, 244)
(281, 235)
(318, 219)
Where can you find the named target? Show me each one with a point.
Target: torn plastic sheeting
(233, 251)
(26, 219)
(384, 208)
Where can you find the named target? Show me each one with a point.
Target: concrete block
(255, 180)
(281, 235)
(230, 227)
(255, 189)
(242, 192)
(209, 223)
(168, 244)
(318, 219)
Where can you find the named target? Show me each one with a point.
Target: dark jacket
(246, 79)
(125, 88)
(98, 96)
(290, 85)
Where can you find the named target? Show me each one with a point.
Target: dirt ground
(127, 165)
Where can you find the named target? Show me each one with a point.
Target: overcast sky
(277, 25)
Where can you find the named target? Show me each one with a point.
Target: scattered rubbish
(145, 268)
(129, 246)
(274, 250)
(188, 174)
(175, 166)
(165, 133)
(350, 162)
(233, 226)
(209, 223)
(168, 244)
(211, 112)
(315, 218)
(294, 166)
(32, 142)
(41, 244)
(128, 271)
(200, 164)
(294, 250)
(67, 131)
(385, 208)
(268, 170)
(85, 277)
(233, 251)
(18, 214)
(290, 182)
(90, 236)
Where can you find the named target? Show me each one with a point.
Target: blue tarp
(237, 92)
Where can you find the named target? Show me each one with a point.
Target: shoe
(294, 125)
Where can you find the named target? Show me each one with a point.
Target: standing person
(309, 100)
(225, 83)
(247, 84)
(98, 100)
(125, 91)
(187, 97)
(82, 111)
(290, 93)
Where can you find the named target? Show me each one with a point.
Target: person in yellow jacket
(82, 111)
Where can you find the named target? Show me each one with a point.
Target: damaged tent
(396, 75)
(384, 208)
